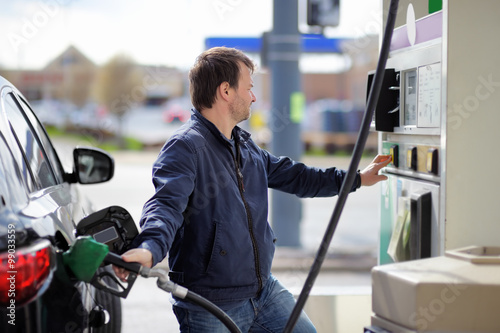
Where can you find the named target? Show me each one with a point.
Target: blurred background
(116, 73)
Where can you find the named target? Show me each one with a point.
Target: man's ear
(224, 90)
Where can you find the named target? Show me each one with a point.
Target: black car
(40, 208)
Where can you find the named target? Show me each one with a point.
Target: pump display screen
(422, 96)
(410, 95)
(429, 95)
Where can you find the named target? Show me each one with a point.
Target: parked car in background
(177, 110)
(40, 207)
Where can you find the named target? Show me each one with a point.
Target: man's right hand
(141, 256)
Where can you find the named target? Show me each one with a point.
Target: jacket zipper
(239, 177)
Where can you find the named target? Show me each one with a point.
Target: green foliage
(105, 143)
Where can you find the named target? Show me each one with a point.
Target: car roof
(6, 83)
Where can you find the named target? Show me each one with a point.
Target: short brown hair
(211, 68)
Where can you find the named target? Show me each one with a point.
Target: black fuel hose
(171, 287)
(183, 293)
(213, 309)
(353, 166)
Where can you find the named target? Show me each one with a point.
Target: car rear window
(47, 145)
(33, 160)
(12, 177)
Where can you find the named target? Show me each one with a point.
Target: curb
(301, 260)
(289, 259)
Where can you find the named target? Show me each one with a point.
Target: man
(210, 208)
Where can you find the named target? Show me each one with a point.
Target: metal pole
(283, 59)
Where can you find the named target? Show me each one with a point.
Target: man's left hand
(369, 175)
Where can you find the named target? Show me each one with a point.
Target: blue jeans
(267, 313)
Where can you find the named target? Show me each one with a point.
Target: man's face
(241, 104)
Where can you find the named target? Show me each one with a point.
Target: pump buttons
(432, 161)
(411, 158)
(421, 159)
(394, 152)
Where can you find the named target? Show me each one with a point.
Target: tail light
(23, 272)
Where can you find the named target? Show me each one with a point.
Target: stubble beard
(239, 111)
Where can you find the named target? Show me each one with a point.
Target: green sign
(435, 5)
(297, 106)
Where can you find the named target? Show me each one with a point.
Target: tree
(116, 87)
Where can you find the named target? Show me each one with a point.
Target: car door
(51, 212)
(51, 205)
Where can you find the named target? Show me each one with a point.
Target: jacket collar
(239, 134)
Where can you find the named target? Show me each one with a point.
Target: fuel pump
(408, 119)
(437, 117)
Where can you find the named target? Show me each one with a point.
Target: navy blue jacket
(210, 208)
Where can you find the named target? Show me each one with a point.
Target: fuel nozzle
(85, 258)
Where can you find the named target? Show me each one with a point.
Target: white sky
(154, 32)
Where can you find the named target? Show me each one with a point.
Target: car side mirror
(91, 166)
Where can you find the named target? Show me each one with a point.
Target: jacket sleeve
(293, 177)
(173, 179)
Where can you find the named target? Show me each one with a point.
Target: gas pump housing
(438, 120)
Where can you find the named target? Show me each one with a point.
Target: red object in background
(176, 112)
